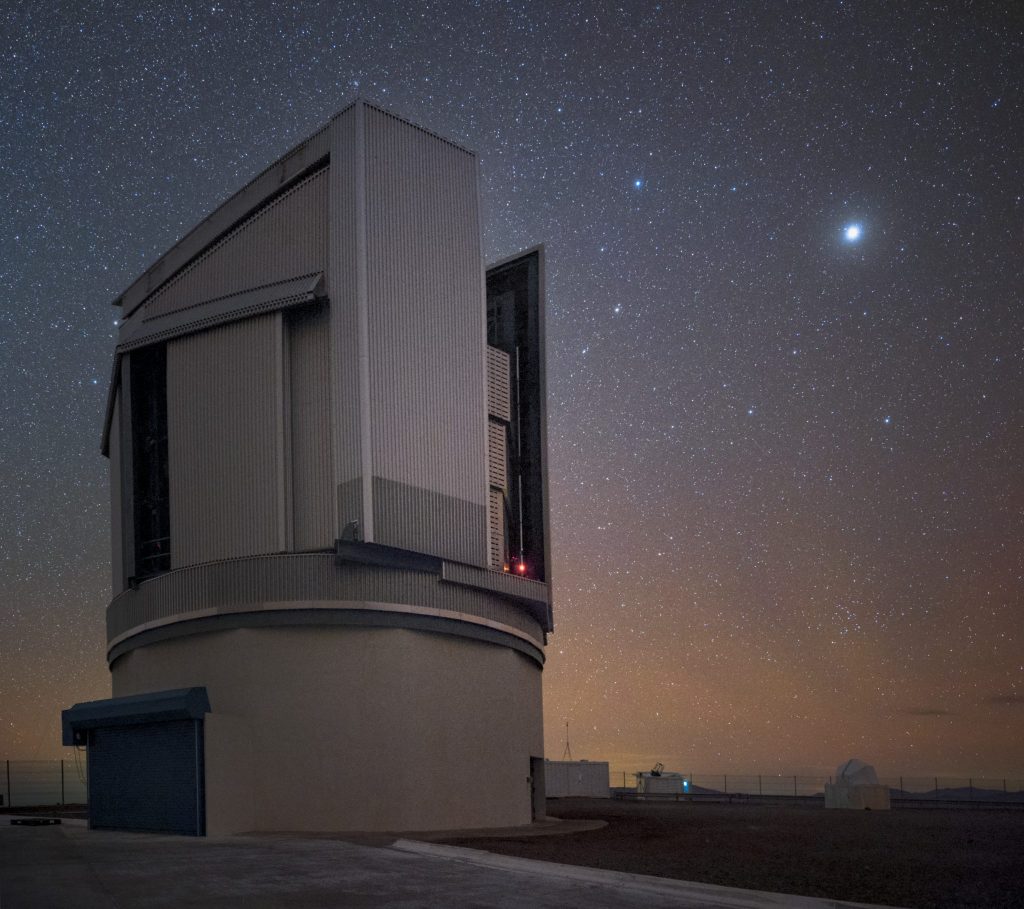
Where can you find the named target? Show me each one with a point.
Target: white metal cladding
(496, 530)
(497, 455)
(305, 155)
(499, 385)
(264, 580)
(225, 441)
(426, 326)
(309, 396)
(285, 238)
(343, 292)
(209, 313)
(116, 515)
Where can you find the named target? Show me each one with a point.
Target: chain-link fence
(915, 788)
(25, 784)
(30, 783)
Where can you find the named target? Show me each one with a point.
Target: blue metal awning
(154, 707)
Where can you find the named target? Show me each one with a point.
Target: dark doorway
(538, 790)
(148, 776)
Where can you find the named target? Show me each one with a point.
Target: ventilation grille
(497, 474)
(496, 536)
(499, 391)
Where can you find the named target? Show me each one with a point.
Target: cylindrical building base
(341, 728)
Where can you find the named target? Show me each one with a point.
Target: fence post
(62, 781)
(725, 783)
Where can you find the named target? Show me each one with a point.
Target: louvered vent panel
(496, 537)
(499, 390)
(496, 455)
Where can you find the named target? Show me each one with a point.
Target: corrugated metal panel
(310, 418)
(496, 530)
(262, 187)
(534, 593)
(499, 384)
(116, 514)
(270, 579)
(147, 777)
(426, 330)
(422, 520)
(209, 313)
(342, 291)
(497, 455)
(223, 441)
(287, 237)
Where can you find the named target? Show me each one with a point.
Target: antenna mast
(567, 752)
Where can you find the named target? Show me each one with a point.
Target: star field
(784, 248)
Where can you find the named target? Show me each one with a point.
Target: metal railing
(25, 784)
(910, 788)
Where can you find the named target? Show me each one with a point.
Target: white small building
(585, 779)
(857, 786)
(661, 782)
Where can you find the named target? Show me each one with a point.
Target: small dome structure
(856, 773)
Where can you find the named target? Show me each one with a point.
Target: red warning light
(521, 567)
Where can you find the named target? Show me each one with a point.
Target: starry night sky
(787, 456)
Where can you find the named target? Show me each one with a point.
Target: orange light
(506, 567)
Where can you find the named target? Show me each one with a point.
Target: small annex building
(577, 779)
(326, 429)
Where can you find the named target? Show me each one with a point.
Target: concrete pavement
(71, 866)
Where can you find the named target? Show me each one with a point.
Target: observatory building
(331, 564)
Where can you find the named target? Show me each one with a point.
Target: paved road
(70, 866)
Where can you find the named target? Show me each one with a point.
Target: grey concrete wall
(230, 774)
(363, 729)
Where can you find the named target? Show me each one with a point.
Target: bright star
(853, 232)
(638, 183)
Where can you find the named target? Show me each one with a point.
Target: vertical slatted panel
(496, 530)
(223, 417)
(116, 515)
(310, 406)
(426, 338)
(499, 384)
(286, 238)
(497, 455)
(342, 291)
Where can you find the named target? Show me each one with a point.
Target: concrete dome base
(341, 728)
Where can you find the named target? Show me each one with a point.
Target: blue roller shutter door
(148, 776)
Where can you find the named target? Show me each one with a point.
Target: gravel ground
(938, 857)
